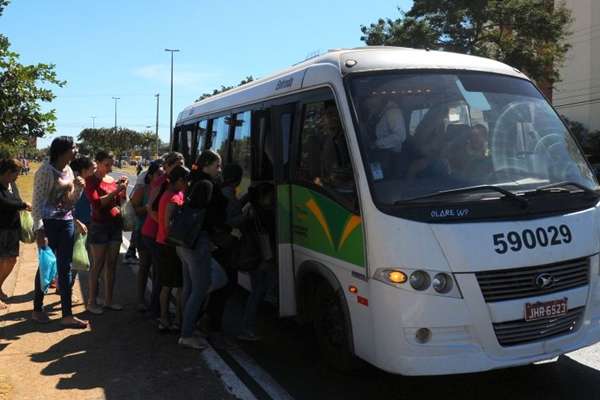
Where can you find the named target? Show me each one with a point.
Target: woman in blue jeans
(55, 193)
(204, 193)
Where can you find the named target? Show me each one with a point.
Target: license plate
(546, 309)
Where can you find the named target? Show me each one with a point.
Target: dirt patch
(5, 388)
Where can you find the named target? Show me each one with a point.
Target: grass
(25, 183)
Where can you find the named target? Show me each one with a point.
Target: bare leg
(6, 266)
(98, 257)
(110, 267)
(164, 304)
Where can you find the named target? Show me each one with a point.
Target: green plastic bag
(81, 261)
(26, 235)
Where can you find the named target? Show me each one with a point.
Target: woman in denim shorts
(106, 230)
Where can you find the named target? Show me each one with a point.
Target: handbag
(186, 225)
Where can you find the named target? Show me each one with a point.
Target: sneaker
(94, 309)
(40, 317)
(248, 337)
(193, 342)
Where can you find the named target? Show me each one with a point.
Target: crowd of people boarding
(77, 195)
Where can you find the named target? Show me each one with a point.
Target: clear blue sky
(116, 48)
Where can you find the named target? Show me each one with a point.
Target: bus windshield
(426, 132)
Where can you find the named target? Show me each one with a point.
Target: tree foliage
(530, 35)
(248, 79)
(120, 142)
(22, 90)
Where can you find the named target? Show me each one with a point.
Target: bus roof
(362, 59)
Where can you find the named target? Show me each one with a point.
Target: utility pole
(171, 117)
(93, 117)
(157, 95)
(115, 99)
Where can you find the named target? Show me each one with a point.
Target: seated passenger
(390, 135)
(429, 140)
(479, 163)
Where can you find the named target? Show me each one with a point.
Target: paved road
(286, 365)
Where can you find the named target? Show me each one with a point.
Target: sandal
(114, 307)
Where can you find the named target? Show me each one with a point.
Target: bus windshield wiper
(563, 187)
(507, 194)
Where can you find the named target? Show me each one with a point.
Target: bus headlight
(423, 281)
(420, 280)
(442, 283)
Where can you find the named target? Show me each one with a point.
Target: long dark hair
(59, 146)
(10, 165)
(81, 163)
(204, 159)
(179, 172)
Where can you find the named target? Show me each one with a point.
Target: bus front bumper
(462, 337)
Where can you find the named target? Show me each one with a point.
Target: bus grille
(520, 283)
(521, 332)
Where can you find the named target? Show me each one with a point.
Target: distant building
(577, 96)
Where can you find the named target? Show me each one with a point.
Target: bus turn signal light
(396, 276)
(352, 289)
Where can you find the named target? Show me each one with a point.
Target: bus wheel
(332, 330)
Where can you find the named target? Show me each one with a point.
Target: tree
(120, 142)
(530, 35)
(22, 90)
(223, 89)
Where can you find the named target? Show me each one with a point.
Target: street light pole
(157, 95)
(115, 99)
(171, 115)
(93, 117)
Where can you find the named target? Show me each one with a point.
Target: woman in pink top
(169, 269)
(106, 230)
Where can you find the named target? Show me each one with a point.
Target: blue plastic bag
(47, 267)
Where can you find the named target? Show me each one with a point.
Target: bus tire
(331, 330)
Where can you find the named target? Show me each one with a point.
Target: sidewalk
(120, 356)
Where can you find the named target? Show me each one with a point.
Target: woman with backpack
(205, 194)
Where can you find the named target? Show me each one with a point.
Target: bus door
(326, 221)
(282, 122)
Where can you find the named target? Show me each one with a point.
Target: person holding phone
(106, 195)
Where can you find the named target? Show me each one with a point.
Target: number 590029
(531, 238)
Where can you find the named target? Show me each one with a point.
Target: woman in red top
(105, 233)
(169, 269)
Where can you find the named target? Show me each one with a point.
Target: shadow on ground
(122, 353)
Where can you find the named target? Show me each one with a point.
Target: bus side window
(175, 140)
(323, 157)
(185, 142)
(220, 136)
(201, 132)
(240, 147)
(262, 146)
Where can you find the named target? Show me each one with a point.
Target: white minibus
(431, 212)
